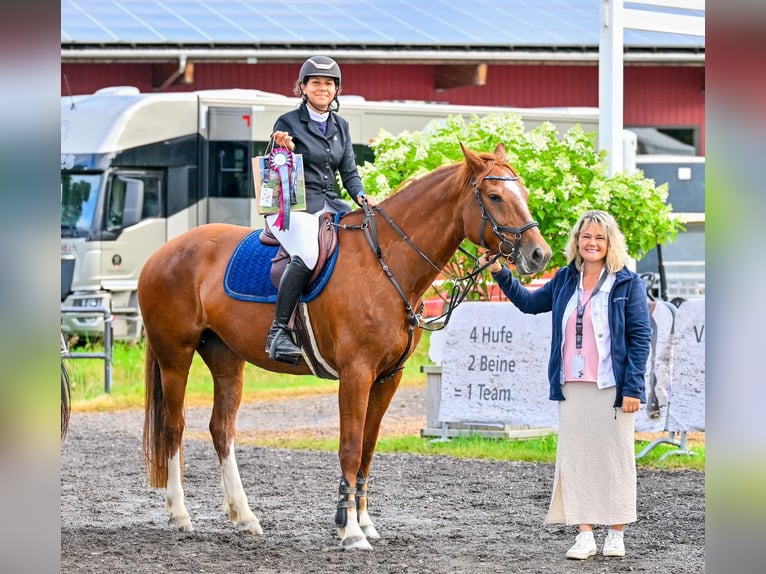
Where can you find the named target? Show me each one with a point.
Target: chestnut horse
(362, 322)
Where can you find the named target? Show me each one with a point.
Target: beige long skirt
(595, 476)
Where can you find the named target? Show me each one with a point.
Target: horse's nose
(539, 257)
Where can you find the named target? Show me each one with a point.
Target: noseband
(509, 249)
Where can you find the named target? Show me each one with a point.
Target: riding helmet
(319, 66)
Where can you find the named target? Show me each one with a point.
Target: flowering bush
(565, 175)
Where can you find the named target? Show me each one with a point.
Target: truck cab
(111, 221)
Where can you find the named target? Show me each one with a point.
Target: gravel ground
(435, 514)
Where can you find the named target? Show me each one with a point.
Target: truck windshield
(79, 198)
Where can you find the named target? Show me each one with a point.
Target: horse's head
(505, 225)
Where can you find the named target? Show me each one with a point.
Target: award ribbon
(281, 161)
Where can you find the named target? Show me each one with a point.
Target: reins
(461, 285)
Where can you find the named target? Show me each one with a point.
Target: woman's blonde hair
(616, 252)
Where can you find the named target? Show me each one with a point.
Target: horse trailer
(138, 169)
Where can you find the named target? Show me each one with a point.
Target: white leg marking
(365, 522)
(174, 497)
(234, 497)
(352, 537)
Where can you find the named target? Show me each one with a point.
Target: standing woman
(599, 348)
(317, 132)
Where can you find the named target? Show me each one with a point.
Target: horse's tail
(155, 414)
(66, 392)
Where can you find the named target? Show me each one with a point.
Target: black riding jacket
(323, 155)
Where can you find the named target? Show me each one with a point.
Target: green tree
(565, 175)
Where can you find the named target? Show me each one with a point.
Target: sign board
(687, 390)
(495, 366)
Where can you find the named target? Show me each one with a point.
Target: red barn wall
(660, 96)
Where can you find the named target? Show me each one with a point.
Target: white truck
(137, 169)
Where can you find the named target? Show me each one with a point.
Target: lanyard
(581, 306)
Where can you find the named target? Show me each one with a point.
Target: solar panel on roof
(442, 23)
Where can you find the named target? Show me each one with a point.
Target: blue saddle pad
(248, 274)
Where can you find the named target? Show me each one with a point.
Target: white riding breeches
(302, 237)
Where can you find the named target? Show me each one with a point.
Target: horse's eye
(495, 197)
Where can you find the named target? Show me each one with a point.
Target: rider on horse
(316, 131)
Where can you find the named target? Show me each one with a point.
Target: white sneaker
(613, 545)
(584, 546)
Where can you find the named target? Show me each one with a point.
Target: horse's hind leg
(174, 389)
(380, 398)
(227, 368)
(166, 375)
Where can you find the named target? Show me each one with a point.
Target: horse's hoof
(370, 532)
(355, 543)
(180, 523)
(252, 526)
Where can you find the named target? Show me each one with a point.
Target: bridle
(508, 249)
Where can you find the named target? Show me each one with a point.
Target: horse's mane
(438, 174)
(443, 171)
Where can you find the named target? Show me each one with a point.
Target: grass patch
(476, 446)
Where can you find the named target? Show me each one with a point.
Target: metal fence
(685, 279)
(108, 341)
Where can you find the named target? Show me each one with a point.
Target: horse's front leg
(380, 398)
(352, 400)
(365, 522)
(351, 535)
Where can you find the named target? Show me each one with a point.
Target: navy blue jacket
(628, 324)
(323, 155)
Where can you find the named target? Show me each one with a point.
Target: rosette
(281, 161)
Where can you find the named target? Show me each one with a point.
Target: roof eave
(409, 54)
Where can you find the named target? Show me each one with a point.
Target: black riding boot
(279, 342)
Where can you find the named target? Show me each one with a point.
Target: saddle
(327, 239)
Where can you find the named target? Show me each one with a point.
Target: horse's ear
(471, 158)
(500, 153)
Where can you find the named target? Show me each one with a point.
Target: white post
(614, 19)
(610, 82)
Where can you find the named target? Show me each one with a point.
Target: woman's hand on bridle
(494, 267)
